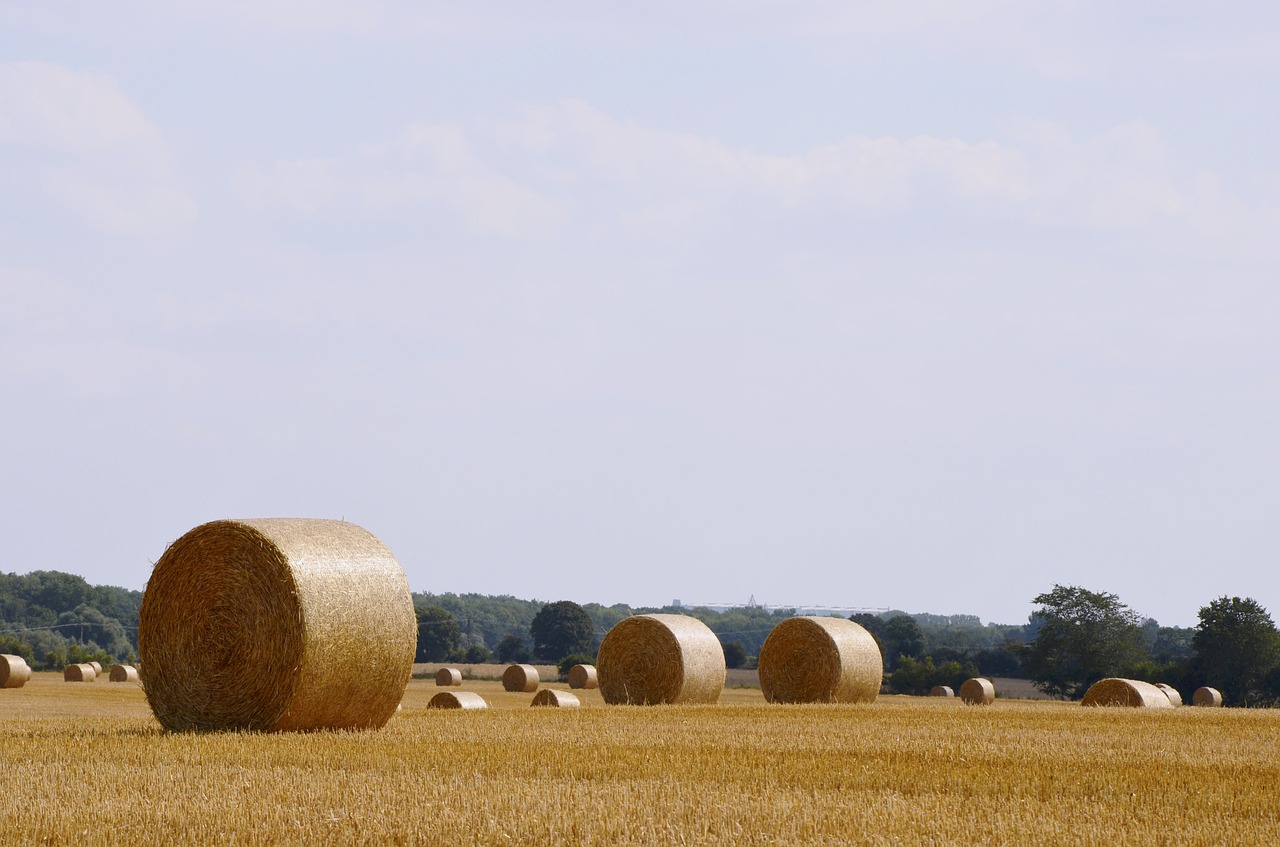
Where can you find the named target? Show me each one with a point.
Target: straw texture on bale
(520, 678)
(1172, 693)
(978, 691)
(14, 671)
(583, 676)
(648, 659)
(123, 673)
(457, 700)
(555, 698)
(97, 668)
(276, 624)
(1126, 692)
(820, 660)
(1206, 696)
(78, 673)
(446, 677)
(941, 691)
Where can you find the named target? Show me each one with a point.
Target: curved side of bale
(82, 672)
(276, 624)
(1175, 698)
(1133, 693)
(978, 691)
(447, 677)
(556, 699)
(97, 668)
(648, 659)
(820, 660)
(123, 673)
(457, 700)
(583, 676)
(520, 678)
(1207, 697)
(941, 691)
(14, 671)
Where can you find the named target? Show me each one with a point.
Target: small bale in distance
(97, 668)
(820, 660)
(457, 700)
(1133, 693)
(650, 659)
(1172, 693)
(448, 677)
(78, 673)
(941, 691)
(556, 699)
(978, 691)
(583, 676)
(520, 678)
(14, 671)
(1210, 698)
(123, 673)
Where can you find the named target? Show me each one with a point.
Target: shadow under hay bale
(583, 677)
(941, 691)
(820, 660)
(520, 678)
(556, 699)
(1133, 693)
(650, 659)
(78, 673)
(1172, 693)
(1207, 697)
(978, 691)
(14, 671)
(457, 700)
(447, 677)
(123, 673)
(276, 624)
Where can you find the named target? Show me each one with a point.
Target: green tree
(901, 636)
(513, 649)
(559, 629)
(735, 655)
(871, 623)
(438, 634)
(918, 677)
(1236, 646)
(1084, 636)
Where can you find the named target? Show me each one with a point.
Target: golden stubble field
(86, 764)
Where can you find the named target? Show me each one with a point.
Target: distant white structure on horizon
(800, 609)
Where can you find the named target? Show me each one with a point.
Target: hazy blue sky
(923, 305)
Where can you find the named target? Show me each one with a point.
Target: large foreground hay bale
(520, 678)
(647, 659)
(276, 624)
(1172, 693)
(123, 673)
(555, 698)
(14, 671)
(583, 676)
(457, 700)
(941, 691)
(447, 677)
(820, 660)
(1126, 692)
(978, 691)
(1208, 697)
(82, 672)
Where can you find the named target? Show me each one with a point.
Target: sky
(925, 305)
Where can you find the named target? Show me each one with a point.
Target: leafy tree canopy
(1083, 637)
(561, 628)
(1236, 646)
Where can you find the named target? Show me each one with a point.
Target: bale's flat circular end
(446, 677)
(649, 659)
(820, 660)
(520, 678)
(123, 673)
(556, 699)
(14, 671)
(457, 700)
(583, 676)
(1207, 697)
(941, 691)
(978, 691)
(82, 672)
(1132, 693)
(1175, 697)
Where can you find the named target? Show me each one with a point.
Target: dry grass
(899, 771)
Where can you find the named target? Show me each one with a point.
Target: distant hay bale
(583, 676)
(1208, 697)
(941, 691)
(446, 677)
(520, 678)
(555, 698)
(78, 673)
(1133, 693)
(14, 671)
(1172, 693)
(97, 668)
(276, 624)
(820, 660)
(457, 700)
(648, 659)
(123, 673)
(978, 691)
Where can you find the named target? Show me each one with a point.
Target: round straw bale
(1208, 697)
(14, 671)
(123, 673)
(941, 691)
(1172, 693)
(648, 659)
(583, 676)
(520, 678)
(1134, 693)
(978, 691)
(446, 677)
(820, 660)
(457, 700)
(555, 698)
(97, 668)
(276, 624)
(78, 673)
